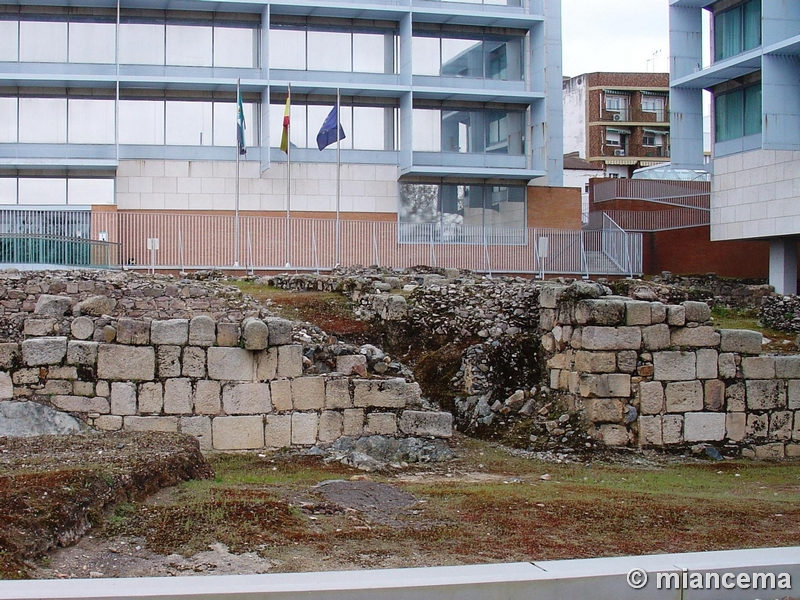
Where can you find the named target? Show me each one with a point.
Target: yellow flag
(285, 134)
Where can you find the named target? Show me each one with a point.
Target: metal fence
(695, 194)
(37, 249)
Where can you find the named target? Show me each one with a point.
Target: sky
(615, 35)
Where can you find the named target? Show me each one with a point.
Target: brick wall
(554, 207)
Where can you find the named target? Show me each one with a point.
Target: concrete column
(783, 265)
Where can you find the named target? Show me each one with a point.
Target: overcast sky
(615, 35)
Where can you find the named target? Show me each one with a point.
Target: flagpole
(236, 199)
(338, 176)
(288, 174)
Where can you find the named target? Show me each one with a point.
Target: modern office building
(754, 79)
(450, 109)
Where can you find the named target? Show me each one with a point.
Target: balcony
(635, 115)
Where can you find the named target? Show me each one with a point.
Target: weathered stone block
(742, 341)
(194, 362)
(727, 365)
(656, 337)
(9, 355)
(266, 364)
(169, 361)
(38, 327)
(228, 335)
(780, 425)
(651, 397)
(694, 337)
(381, 424)
(697, 312)
(126, 363)
(674, 366)
(758, 367)
(151, 397)
(172, 332)
(82, 353)
(330, 426)
(757, 425)
(613, 435)
(57, 386)
(304, 428)
(707, 363)
(794, 394)
(735, 426)
(207, 397)
(102, 388)
(66, 372)
(123, 398)
(246, 398)
(787, 367)
(52, 306)
(638, 313)
(25, 376)
(714, 396)
(547, 319)
(199, 427)
(599, 312)
(427, 424)
(280, 331)
(704, 427)
(255, 334)
(550, 295)
(348, 364)
(735, 396)
(82, 328)
(202, 331)
(607, 385)
(81, 404)
(605, 410)
(672, 429)
(775, 451)
(353, 422)
(278, 431)
(230, 364)
(792, 450)
(6, 386)
(386, 393)
(612, 338)
(650, 431)
(178, 396)
(44, 351)
(238, 433)
(133, 332)
(95, 306)
(595, 362)
(658, 312)
(281, 392)
(627, 361)
(676, 317)
(765, 394)
(684, 396)
(290, 361)
(337, 394)
(108, 422)
(308, 393)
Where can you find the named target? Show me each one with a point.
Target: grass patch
(747, 318)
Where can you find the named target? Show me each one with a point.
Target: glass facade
(737, 29)
(469, 131)
(55, 191)
(486, 57)
(737, 113)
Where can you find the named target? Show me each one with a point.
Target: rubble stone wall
(660, 375)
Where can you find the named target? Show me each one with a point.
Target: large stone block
(255, 334)
(6, 386)
(337, 394)
(658, 312)
(607, 385)
(230, 364)
(238, 433)
(735, 397)
(280, 331)
(199, 427)
(606, 410)
(348, 364)
(202, 331)
(674, 366)
(707, 363)
(108, 423)
(304, 428)
(765, 394)
(82, 353)
(228, 335)
(697, 312)
(612, 338)
(600, 312)
(650, 431)
(381, 424)
(651, 397)
(246, 398)
(278, 431)
(151, 397)
(81, 404)
(123, 398)
(676, 317)
(638, 313)
(194, 362)
(135, 423)
(133, 332)
(727, 365)
(595, 362)
(126, 363)
(787, 367)
(427, 424)
(281, 392)
(386, 393)
(627, 361)
(613, 435)
(52, 306)
(694, 337)
(780, 425)
(290, 361)
(266, 364)
(330, 426)
(684, 396)
(735, 426)
(57, 386)
(758, 367)
(38, 327)
(178, 396)
(774, 451)
(9, 355)
(172, 332)
(742, 341)
(656, 337)
(757, 425)
(704, 427)
(714, 395)
(672, 429)
(169, 361)
(353, 422)
(794, 394)
(207, 397)
(308, 393)
(550, 294)
(44, 351)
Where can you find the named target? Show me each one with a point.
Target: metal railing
(43, 249)
(690, 194)
(617, 245)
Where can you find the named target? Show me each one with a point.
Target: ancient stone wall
(660, 375)
(234, 386)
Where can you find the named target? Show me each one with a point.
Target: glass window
(42, 191)
(752, 110)
(425, 55)
(90, 191)
(329, 51)
(287, 49)
(141, 44)
(427, 130)
(91, 121)
(369, 128)
(8, 190)
(42, 41)
(462, 58)
(729, 116)
(8, 120)
(737, 29)
(141, 122)
(189, 45)
(42, 120)
(9, 42)
(297, 127)
(369, 52)
(189, 123)
(234, 47)
(225, 124)
(92, 42)
(317, 115)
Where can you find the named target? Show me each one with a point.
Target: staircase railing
(616, 245)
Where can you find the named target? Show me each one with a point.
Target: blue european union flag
(327, 133)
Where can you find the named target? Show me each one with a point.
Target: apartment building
(754, 78)
(450, 109)
(618, 121)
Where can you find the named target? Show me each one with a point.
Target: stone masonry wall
(235, 386)
(660, 375)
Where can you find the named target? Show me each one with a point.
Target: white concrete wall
(575, 117)
(204, 185)
(756, 195)
(577, 178)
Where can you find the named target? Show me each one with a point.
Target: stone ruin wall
(234, 386)
(660, 376)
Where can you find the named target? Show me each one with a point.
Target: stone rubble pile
(781, 313)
